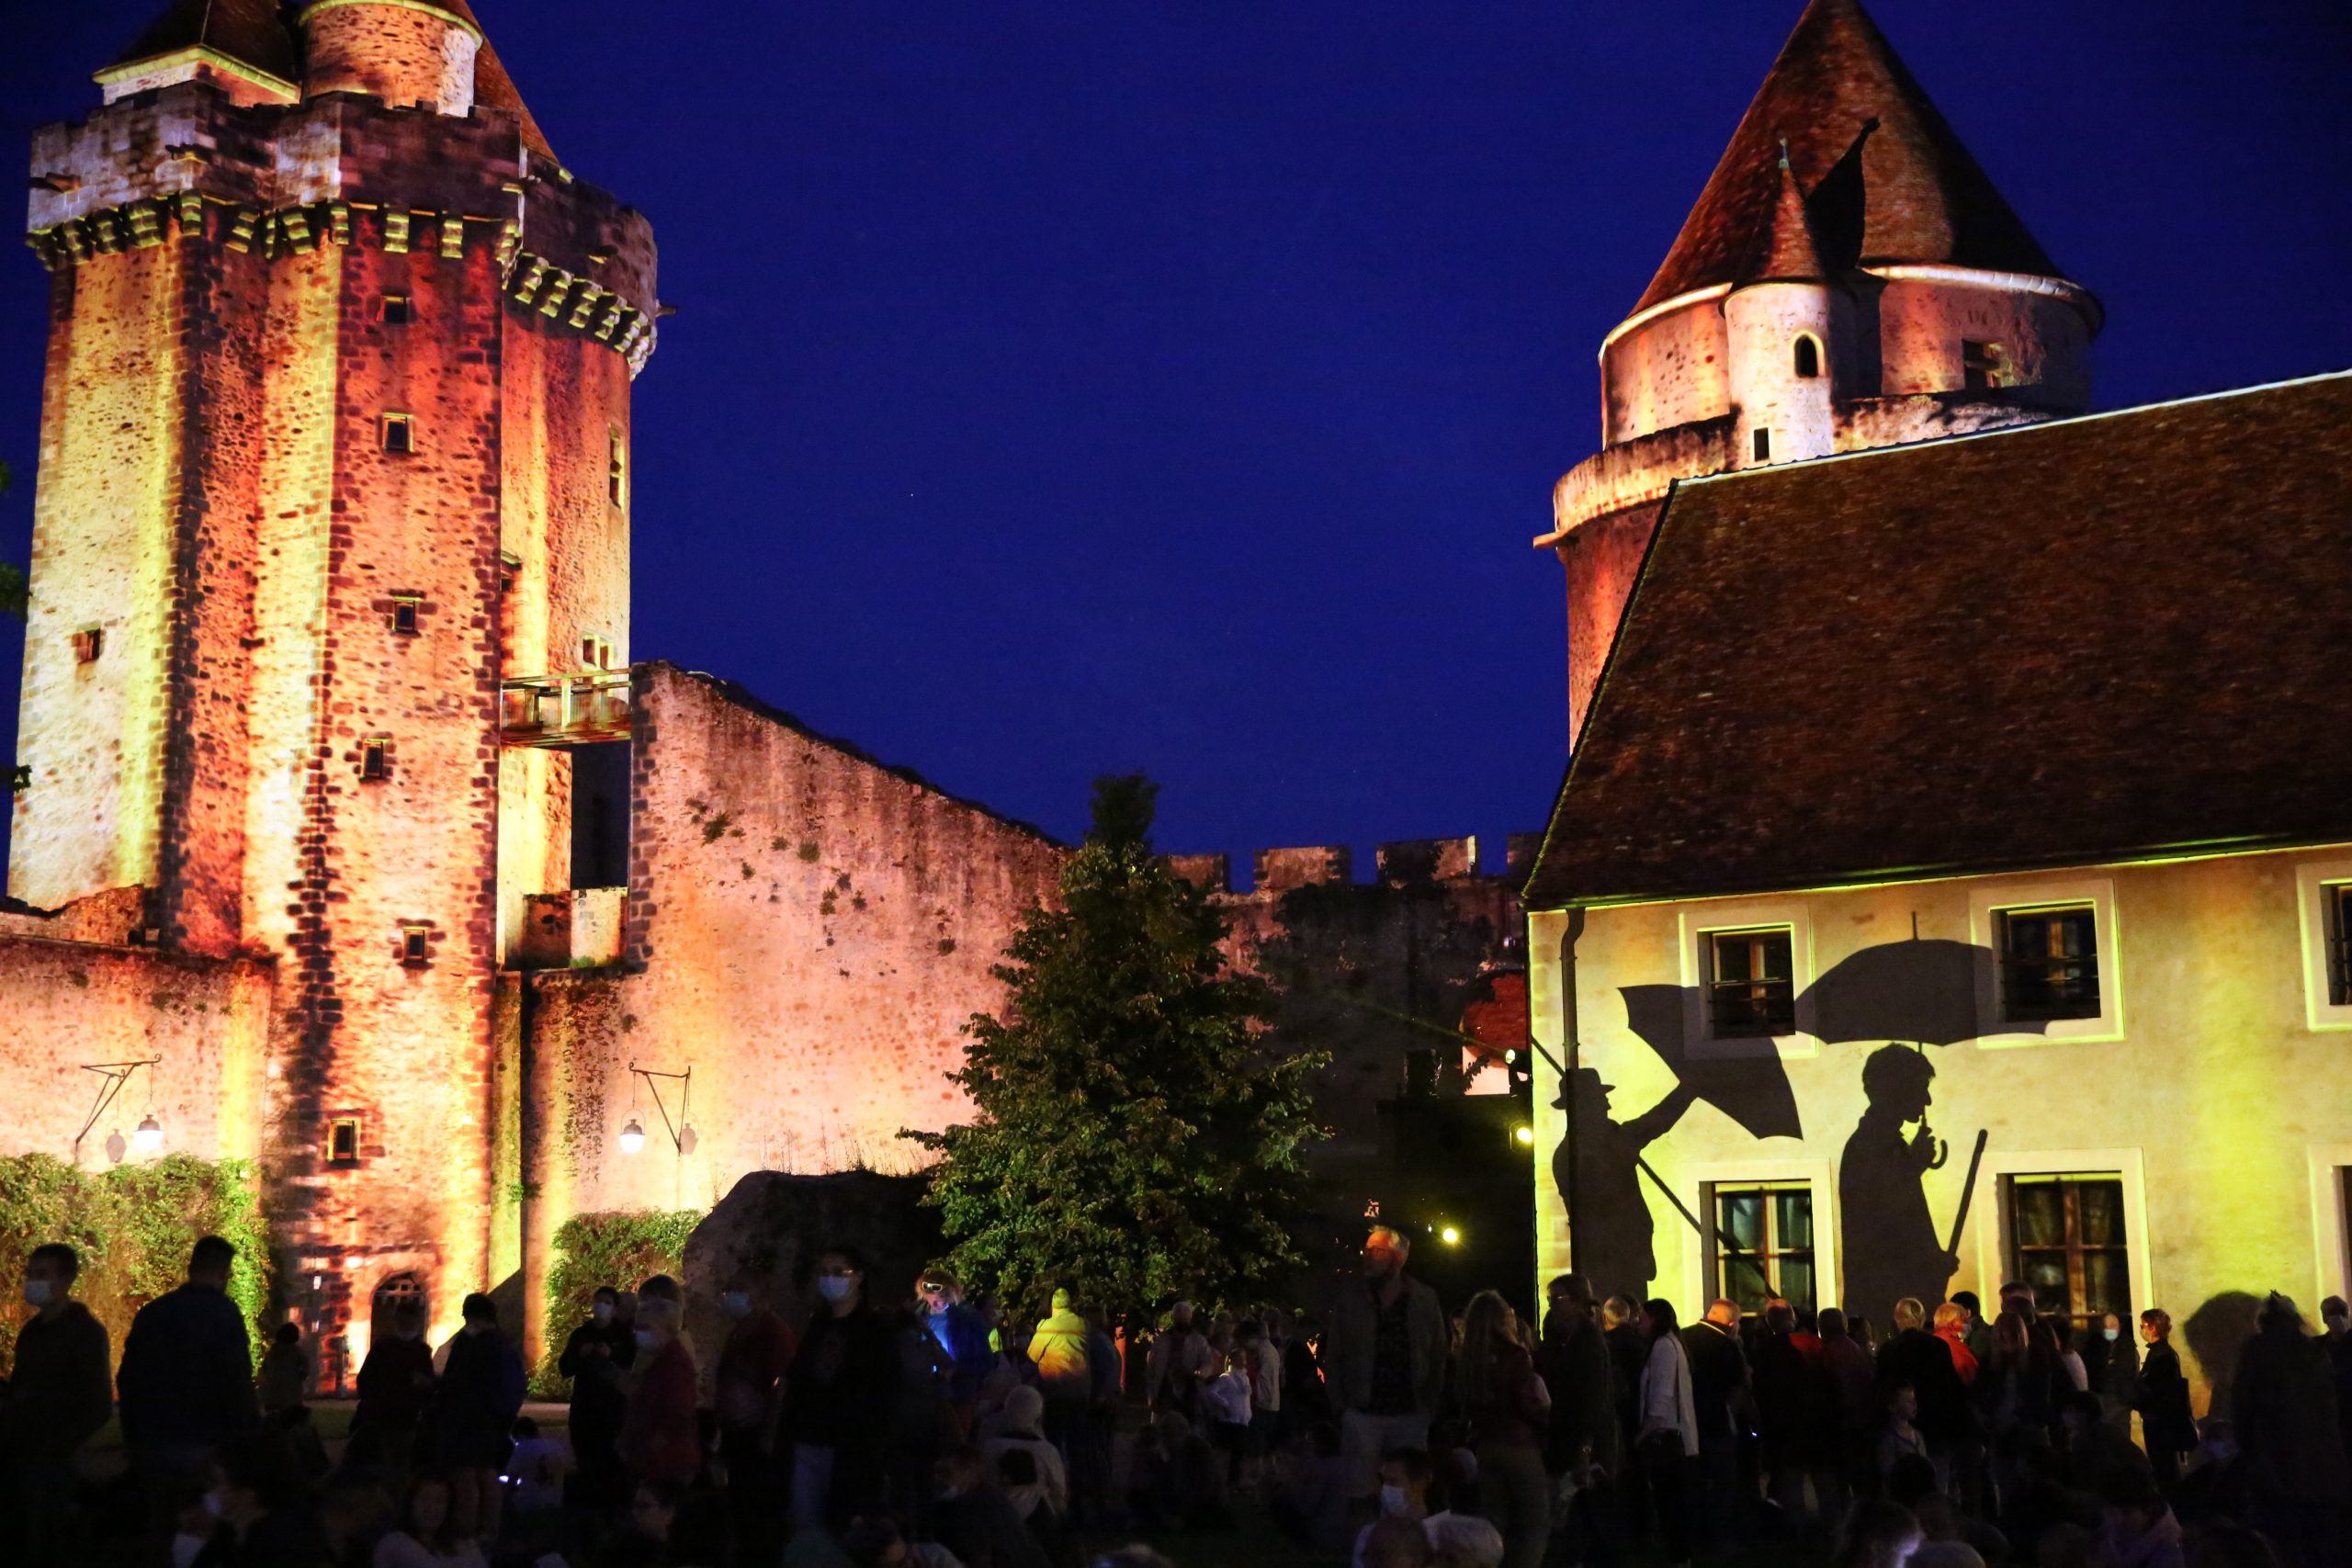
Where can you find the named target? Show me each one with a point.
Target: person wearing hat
(1601, 1162)
(1058, 1351)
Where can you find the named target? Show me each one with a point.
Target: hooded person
(1020, 1428)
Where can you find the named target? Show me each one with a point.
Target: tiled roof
(253, 31)
(1921, 198)
(493, 86)
(1782, 248)
(2099, 638)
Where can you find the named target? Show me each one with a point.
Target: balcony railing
(564, 710)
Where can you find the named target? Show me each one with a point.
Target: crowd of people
(932, 1432)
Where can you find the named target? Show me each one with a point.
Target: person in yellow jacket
(1059, 1352)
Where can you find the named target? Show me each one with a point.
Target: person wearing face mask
(1462, 1539)
(659, 1440)
(2113, 1359)
(597, 1358)
(395, 1390)
(844, 1373)
(60, 1393)
(256, 1497)
(749, 1388)
(480, 1394)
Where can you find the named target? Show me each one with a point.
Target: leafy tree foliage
(618, 1248)
(1140, 1137)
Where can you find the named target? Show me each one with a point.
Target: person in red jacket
(659, 1440)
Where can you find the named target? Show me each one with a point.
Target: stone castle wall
(73, 1003)
(806, 929)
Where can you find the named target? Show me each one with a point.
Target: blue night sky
(1060, 389)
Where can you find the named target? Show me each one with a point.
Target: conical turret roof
(493, 86)
(252, 32)
(1922, 198)
(1781, 248)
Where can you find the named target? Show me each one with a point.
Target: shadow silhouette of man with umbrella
(1888, 1238)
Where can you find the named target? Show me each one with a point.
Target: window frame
(396, 309)
(1719, 1257)
(617, 474)
(1986, 1237)
(375, 759)
(416, 945)
(2072, 1248)
(89, 645)
(2063, 975)
(408, 615)
(336, 1127)
(405, 425)
(1797, 351)
(1987, 902)
(2322, 886)
(1761, 989)
(1986, 368)
(1760, 443)
(1698, 924)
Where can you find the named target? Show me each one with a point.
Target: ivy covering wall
(133, 1226)
(617, 1248)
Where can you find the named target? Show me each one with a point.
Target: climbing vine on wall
(133, 1226)
(620, 1249)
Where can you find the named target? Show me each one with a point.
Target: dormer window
(1807, 357)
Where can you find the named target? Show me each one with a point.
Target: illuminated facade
(1952, 883)
(329, 617)
(1847, 279)
(1953, 873)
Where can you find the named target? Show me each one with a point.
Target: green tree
(1139, 1135)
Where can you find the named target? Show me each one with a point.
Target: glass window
(1763, 1243)
(2339, 944)
(2049, 964)
(2068, 1241)
(1749, 989)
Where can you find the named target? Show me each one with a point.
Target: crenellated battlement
(274, 181)
(1405, 862)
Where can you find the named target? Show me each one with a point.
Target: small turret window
(1982, 365)
(1808, 358)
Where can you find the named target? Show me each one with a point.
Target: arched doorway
(395, 1292)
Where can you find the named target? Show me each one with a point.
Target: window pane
(2040, 1210)
(1741, 1219)
(1795, 1221)
(1772, 955)
(2047, 1274)
(1744, 1282)
(1731, 959)
(1796, 1282)
(2071, 935)
(2101, 1207)
(2107, 1284)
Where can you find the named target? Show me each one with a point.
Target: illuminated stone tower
(1849, 278)
(333, 468)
